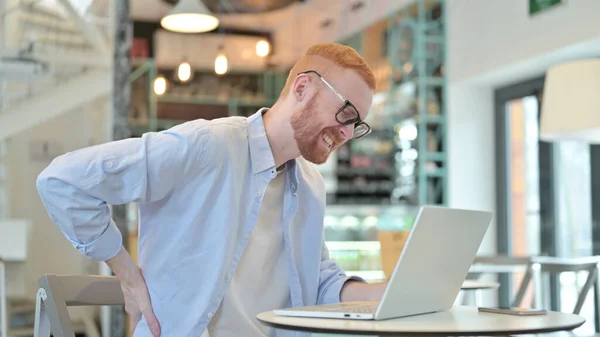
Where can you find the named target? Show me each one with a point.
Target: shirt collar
(261, 154)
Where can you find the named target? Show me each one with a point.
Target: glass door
(522, 167)
(544, 199)
(574, 223)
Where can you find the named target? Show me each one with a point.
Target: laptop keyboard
(347, 307)
(361, 310)
(355, 309)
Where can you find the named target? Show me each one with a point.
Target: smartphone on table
(513, 311)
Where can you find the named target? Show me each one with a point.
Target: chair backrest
(57, 292)
(502, 260)
(557, 265)
(498, 264)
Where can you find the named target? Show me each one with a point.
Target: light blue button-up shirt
(199, 187)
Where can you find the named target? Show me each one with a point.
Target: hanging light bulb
(221, 62)
(262, 48)
(189, 16)
(160, 85)
(184, 71)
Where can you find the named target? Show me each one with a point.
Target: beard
(308, 134)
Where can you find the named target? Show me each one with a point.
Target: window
(545, 193)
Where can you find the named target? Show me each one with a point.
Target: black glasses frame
(358, 122)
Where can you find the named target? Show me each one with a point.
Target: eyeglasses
(347, 114)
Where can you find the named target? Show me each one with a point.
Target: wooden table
(460, 321)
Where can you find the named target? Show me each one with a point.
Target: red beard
(309, 134)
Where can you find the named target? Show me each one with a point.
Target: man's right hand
(135, 291)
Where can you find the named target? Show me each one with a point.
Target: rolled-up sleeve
(331, 280)
(78, 187)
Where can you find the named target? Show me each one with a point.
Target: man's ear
(300, 87)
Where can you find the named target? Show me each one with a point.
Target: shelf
(431, 81)
(372, 188)
(137, 62)
(434, 39)
(365, 171)
(353, 245)
(366, 210)
(211, 101)
(436, 173)
(434, 119)
(435, 156)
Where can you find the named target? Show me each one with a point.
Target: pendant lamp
(571, 102)
(189, 16)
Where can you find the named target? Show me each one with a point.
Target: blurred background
(480, 104)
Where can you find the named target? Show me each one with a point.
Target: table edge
(412, 333)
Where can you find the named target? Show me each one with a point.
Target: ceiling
(243, 6)
(294, 27)
(154, 10)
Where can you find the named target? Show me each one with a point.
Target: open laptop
(429, 274)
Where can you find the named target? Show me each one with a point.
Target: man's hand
(135, 291)
(360, 291)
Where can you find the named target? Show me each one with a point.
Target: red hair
(344, 56)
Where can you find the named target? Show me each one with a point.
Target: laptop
(429, 274)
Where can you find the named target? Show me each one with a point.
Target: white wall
(471, 180)
(487, 36)
(491, 44)
(49, 250)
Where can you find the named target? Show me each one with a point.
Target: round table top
(459, 321)
(477, 285)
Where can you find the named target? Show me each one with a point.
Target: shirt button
(258, 194)
(109, 164)
(246, 236)
(210, 315)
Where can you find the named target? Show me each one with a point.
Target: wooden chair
(503, 264)
(57, 292)
(538, 266)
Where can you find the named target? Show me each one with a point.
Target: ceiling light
(189, 16)
(262, 48)
(160, 85)
(408, 132)
(221, 62)
(184, 71)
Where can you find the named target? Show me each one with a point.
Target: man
(231, 210)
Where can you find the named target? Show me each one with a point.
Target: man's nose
(347, 132)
